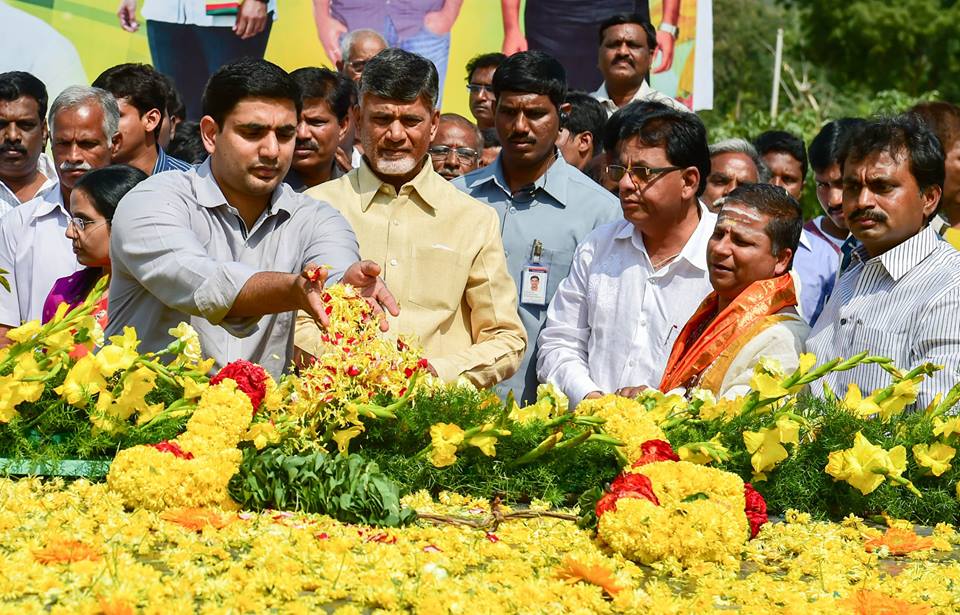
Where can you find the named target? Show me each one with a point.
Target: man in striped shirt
(900, 298)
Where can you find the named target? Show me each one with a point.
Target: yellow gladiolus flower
(14, 391)
(857, 404)
(186, 334)
(83, 381)
(765, 448)
(446, 434)
(946, 428)
(120, 354)
(768, 386)
(486, 443)
(191, 388)
(149, 413)
(935, 456)
(904, 394)
(24, 332)
(443, 456)
(807, 361)
(136, 386)
(342, 437)
(865, 466)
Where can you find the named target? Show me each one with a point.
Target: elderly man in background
(324, 121)
(356, 49)
(545, 205)
(634, 283)
(751, 313)
(900, 298)
(25, 171)
(84, 128)
(457, 146)
(440, 250)
(732, 162)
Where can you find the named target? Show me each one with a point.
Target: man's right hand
(128, 15)
(308, 287)
(513, 42)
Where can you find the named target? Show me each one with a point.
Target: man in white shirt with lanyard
(634, 283)
(190, 39)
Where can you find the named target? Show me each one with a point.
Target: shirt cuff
(446, 370)
(215, 297)
(579, 388)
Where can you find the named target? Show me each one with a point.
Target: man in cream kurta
(439, 249)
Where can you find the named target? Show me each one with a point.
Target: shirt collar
(604, 96)
(161, 164)
(423, 183)
(554, 182)
(50, 202)
(805, 240)
(900, 259)
(694, 251)
(210, 196)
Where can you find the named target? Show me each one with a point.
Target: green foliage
(347, 488)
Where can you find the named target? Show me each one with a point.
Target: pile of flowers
(663, 508)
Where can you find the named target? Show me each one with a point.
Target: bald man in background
(457, 146)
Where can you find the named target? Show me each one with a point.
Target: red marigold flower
(755, 508)
(173, 448)
(250, 378)
(655, 450)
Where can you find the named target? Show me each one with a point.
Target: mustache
(868, 214)
(626, 59)
(12, 147)
(309, 144)
(75, 166)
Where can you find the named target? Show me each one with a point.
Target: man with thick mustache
(627, 45)
(25, 171)
(545, 205)
(439, 249)
(325, 120)
(84, 128)
(900, 298)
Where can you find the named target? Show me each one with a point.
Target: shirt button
(396, 223)
(513, 209)
(643, 323)
(393, 262)
(506, 253)
(843, 321)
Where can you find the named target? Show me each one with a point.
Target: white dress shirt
(34, 249)
(613, 320)
(9, 200)
(644, 93)
(192, 12)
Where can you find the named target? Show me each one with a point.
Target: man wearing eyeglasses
(635, 283)
(546, 206)
(480, 71)
(439, 250)
(456, 147)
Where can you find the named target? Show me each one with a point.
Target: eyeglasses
(358, 65)
(639, 174)
(84, 225)
(464, 154)
(479, 88)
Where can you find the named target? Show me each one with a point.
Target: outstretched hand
(365, 276)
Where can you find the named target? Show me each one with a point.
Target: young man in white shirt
(634, 283)
(25, 171)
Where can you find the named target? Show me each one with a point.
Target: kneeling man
(751, 313)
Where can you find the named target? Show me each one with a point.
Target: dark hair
(824, 148)
(484, 60)
(784, 142)
(490, 137)
(942, 118)
(586, 115)
(139, 85)
(786, 216)
(187, 144)
(532, 72)
(175, 106)
(682, 135)
(247, 78)
(635, 18)
(397, 74)
(336, 89)
(900, 134)
(107, 185)
(17, 83)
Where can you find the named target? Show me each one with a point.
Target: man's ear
(931, 198)
(45, 134)
(116, 143)
(783, 262)
(691, 183)
(208, 132)
(585, 144)
(435, 119)
(345, 126)
(151, 119)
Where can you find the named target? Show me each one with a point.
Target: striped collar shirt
(903, 304)
(166, 162)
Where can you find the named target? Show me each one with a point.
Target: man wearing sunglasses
(635, 283)
(456, 148)
(546, 206)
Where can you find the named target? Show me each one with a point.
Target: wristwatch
(669, 28)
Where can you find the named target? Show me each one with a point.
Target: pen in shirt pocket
(671, 335)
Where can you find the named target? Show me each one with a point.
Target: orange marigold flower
(66, 551)
(196, 518)
(899, 541)
(115, 606)
(573, 571)
(870, 602)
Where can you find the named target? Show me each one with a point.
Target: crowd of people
(595, 241)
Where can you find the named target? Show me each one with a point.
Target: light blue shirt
(562, 208)
(815, 264)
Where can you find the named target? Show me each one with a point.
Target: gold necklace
(658, 264)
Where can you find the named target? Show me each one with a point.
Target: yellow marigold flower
(84, 380)
(934, 456)
(865, 466)
(857, 405)
(627, 420)
(24, 332)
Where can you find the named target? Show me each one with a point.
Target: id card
(533, 285)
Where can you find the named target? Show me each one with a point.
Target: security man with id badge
(546, 206)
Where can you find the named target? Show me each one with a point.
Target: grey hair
(346, 43)
(400, 75)
(742, 146)
(456, 118)
(78, 95)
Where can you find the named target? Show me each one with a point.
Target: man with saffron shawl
(751, 313)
